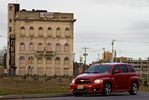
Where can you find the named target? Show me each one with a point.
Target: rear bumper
(87, 88)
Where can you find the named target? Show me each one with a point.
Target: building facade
(39, 42)
(106, 56)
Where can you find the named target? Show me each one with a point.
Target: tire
(77, 94)
(134, 89)
(107, 89)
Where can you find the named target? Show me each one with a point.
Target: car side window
(116, 68)
(131, 68)
(124, 68)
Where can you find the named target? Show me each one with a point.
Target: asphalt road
(114, 96)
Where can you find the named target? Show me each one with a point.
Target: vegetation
(3, 52)
(35, 84)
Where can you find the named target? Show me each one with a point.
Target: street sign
(85, 54)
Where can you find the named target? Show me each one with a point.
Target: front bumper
(87, 88)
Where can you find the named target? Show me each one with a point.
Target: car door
(117, 78)
(125, 76)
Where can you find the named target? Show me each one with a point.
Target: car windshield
(99, 69)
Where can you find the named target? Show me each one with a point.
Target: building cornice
(47, 20)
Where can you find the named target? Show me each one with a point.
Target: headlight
(73, 81)
(98, 81)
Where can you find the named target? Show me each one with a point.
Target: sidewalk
(27, 96)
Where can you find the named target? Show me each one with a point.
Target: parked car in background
(105, 78)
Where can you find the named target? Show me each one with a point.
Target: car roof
(111, 64)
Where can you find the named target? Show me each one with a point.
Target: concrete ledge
(35, 96)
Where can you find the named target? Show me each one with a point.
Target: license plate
(80, 87)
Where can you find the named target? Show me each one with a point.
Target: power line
(90, 44)
(130, 41)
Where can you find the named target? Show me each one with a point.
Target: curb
(35, 96)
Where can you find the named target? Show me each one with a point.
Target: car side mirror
(116, 71)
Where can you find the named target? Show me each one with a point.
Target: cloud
(133, 3)
(141, 25)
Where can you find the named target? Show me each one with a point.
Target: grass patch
(17, 85)
(44, 85)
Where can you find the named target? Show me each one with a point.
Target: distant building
(106, 56)
(39, 42)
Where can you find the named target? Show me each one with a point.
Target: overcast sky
(98, 23)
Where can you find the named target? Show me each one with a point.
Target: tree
(3, 56)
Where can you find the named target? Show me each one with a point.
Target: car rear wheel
(134, 89)
(107, 89)
(77, 94)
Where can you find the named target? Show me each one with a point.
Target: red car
(106, 78)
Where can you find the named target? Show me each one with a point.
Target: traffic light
(29, 62)
(80, 59)
(38, 56)
(131, 58)
(29, 66)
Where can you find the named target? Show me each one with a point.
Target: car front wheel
(107, 89)
(134, 89)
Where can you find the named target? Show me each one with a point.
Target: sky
(98, 23)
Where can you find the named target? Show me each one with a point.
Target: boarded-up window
(49, 34)
(58, 47)
(39, 60)
(49, 47)
(67, 33)
(57, 71)
(66, 71)
(10, 20)
(22, 60)
(10, 8)
(22, 34)
(31, 46)
(31, 32)
(58, 32)
(66, 61)
(49, 71)
(10, 29)
(48, 60)
(40, 32)
(57, 61)
(22, 46)
(30, 60)
(21, 70)
(40, 47)
(66, 47)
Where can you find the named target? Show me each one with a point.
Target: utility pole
(112, 49)
(115, 60)
(85, 55)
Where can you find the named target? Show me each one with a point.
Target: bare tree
(3, 56)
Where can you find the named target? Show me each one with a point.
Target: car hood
(93, 76)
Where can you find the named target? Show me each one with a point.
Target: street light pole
(112, 49)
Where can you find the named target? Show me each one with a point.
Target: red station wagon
(106, 78)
